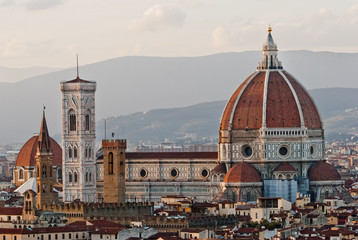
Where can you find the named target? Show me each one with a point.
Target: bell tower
(44, 171)
(78, 140)
(114, 170)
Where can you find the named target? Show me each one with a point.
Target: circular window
(247, 151)
(143, 173)
(205, 173)
(174, 173)
(284, 151)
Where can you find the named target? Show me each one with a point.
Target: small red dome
(272, 98)
(323, 171)
(26, 157)
(220, 168)
(285, 167)
(242, 172)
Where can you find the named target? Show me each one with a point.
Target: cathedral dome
(26, 157)
(323, 171)
(242, 173)
(270, 98)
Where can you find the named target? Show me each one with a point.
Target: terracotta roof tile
(323, 171)
(26, 157)
(242, 172)
(154, 155)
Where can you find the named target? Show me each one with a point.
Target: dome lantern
(269, 54)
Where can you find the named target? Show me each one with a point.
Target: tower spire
(78, 74)
(269, 53)
(44, 138)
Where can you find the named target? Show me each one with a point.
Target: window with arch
(37, 172)
(89, 152)
(110, 163)
(86, 177)
(69, 152)
(21, 174)
(72, 120)
(44, 171)
(75, 177)
(86, 149)
(121, 163)
(87, 121)
(70, 177)
(59, 173)
(90, 177)
(74, 152)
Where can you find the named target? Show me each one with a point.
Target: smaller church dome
(322, 171)
(285, 167)
(26, 157)
(242, 172)
(220, 168)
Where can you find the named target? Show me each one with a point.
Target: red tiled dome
(26, 157)
(323, 171)
(285, 167)
(220, 168)
(242, 172)
(285, 99)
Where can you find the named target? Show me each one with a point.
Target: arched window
(87, 122)
(248, 196)
(89, 152)
(70, 177)
(271, 63)
(21, 174)
(74, 152)
(44, 171)
(90, 177)
(110, 163)
(37, 172)
(86, 152)
(326, 194)
(59, 173)
(266, 61)
(121, 163)
(75, 176)
(86, 177)
(38, 188)
(72, 116)
(69, 152)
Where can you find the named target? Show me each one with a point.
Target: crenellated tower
(114, 170)
(78, 140)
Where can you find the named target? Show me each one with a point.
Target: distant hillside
(202, 120)
(11, 75)
(135, 84)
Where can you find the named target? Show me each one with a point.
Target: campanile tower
(78, 140)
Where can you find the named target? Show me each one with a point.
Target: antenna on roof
(78, 75)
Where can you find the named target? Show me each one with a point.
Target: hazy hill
(202, 120)
(11, 75)
(135, 84)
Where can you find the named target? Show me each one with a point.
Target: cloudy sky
(51, 32)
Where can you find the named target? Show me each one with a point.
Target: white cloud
(221, 36)
(32, 4)
(157, 17)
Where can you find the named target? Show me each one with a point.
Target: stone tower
(78, 140)
(44, 171)
(114, 170)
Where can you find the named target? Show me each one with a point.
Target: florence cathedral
(271, 144)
